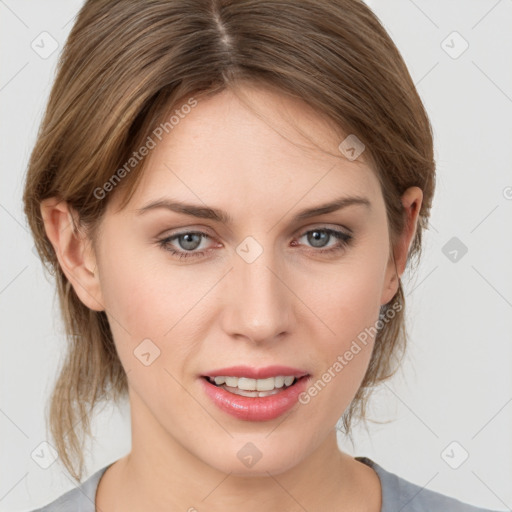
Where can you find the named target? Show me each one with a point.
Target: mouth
(254, 388)
(252, 394)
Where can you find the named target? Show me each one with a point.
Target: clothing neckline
(95, 479)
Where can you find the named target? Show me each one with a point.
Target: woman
(229, 194)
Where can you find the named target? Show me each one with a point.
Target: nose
(258, 303)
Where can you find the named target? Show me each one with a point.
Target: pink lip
(257, 408)
(256, 373)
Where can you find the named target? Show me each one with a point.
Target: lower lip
(258, 408)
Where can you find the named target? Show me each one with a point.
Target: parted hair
(127, 64)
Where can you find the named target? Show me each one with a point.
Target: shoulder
(400, 494)
(80, 499)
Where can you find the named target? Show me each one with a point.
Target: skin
(293, 305)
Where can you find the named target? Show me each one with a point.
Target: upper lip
(256, 373)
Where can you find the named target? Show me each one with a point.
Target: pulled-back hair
(128, 64)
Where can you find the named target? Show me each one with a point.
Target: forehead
(254, 146)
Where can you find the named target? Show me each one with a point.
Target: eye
(191, 240)
(319, 236)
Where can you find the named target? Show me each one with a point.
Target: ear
(411, 201)
(74, 251)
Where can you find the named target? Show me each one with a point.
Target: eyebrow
(223, 217)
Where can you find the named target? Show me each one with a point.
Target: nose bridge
(259, 304)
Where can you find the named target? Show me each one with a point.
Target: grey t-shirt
(397, 495)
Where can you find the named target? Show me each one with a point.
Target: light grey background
(456, 384)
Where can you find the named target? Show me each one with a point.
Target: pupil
(189, 242)
(317, 236)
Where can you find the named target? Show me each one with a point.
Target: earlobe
(391, 280)
(73, 250)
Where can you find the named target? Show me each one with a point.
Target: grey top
(397, 495)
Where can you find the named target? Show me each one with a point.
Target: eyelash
(344, 240)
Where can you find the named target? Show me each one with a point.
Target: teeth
(252, 394)
(288, 381)
(246, 384)
(232, 382)
(279, 382)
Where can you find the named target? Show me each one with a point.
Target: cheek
(346, 301)
(146, 297)
(139, 291)
(347, 298)
(348, 307)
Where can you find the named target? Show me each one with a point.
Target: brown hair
(126, 63)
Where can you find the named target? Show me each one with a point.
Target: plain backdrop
(449, 410)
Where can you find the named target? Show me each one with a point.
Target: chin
(254, 459)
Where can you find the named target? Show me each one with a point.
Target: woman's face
(263, 289)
